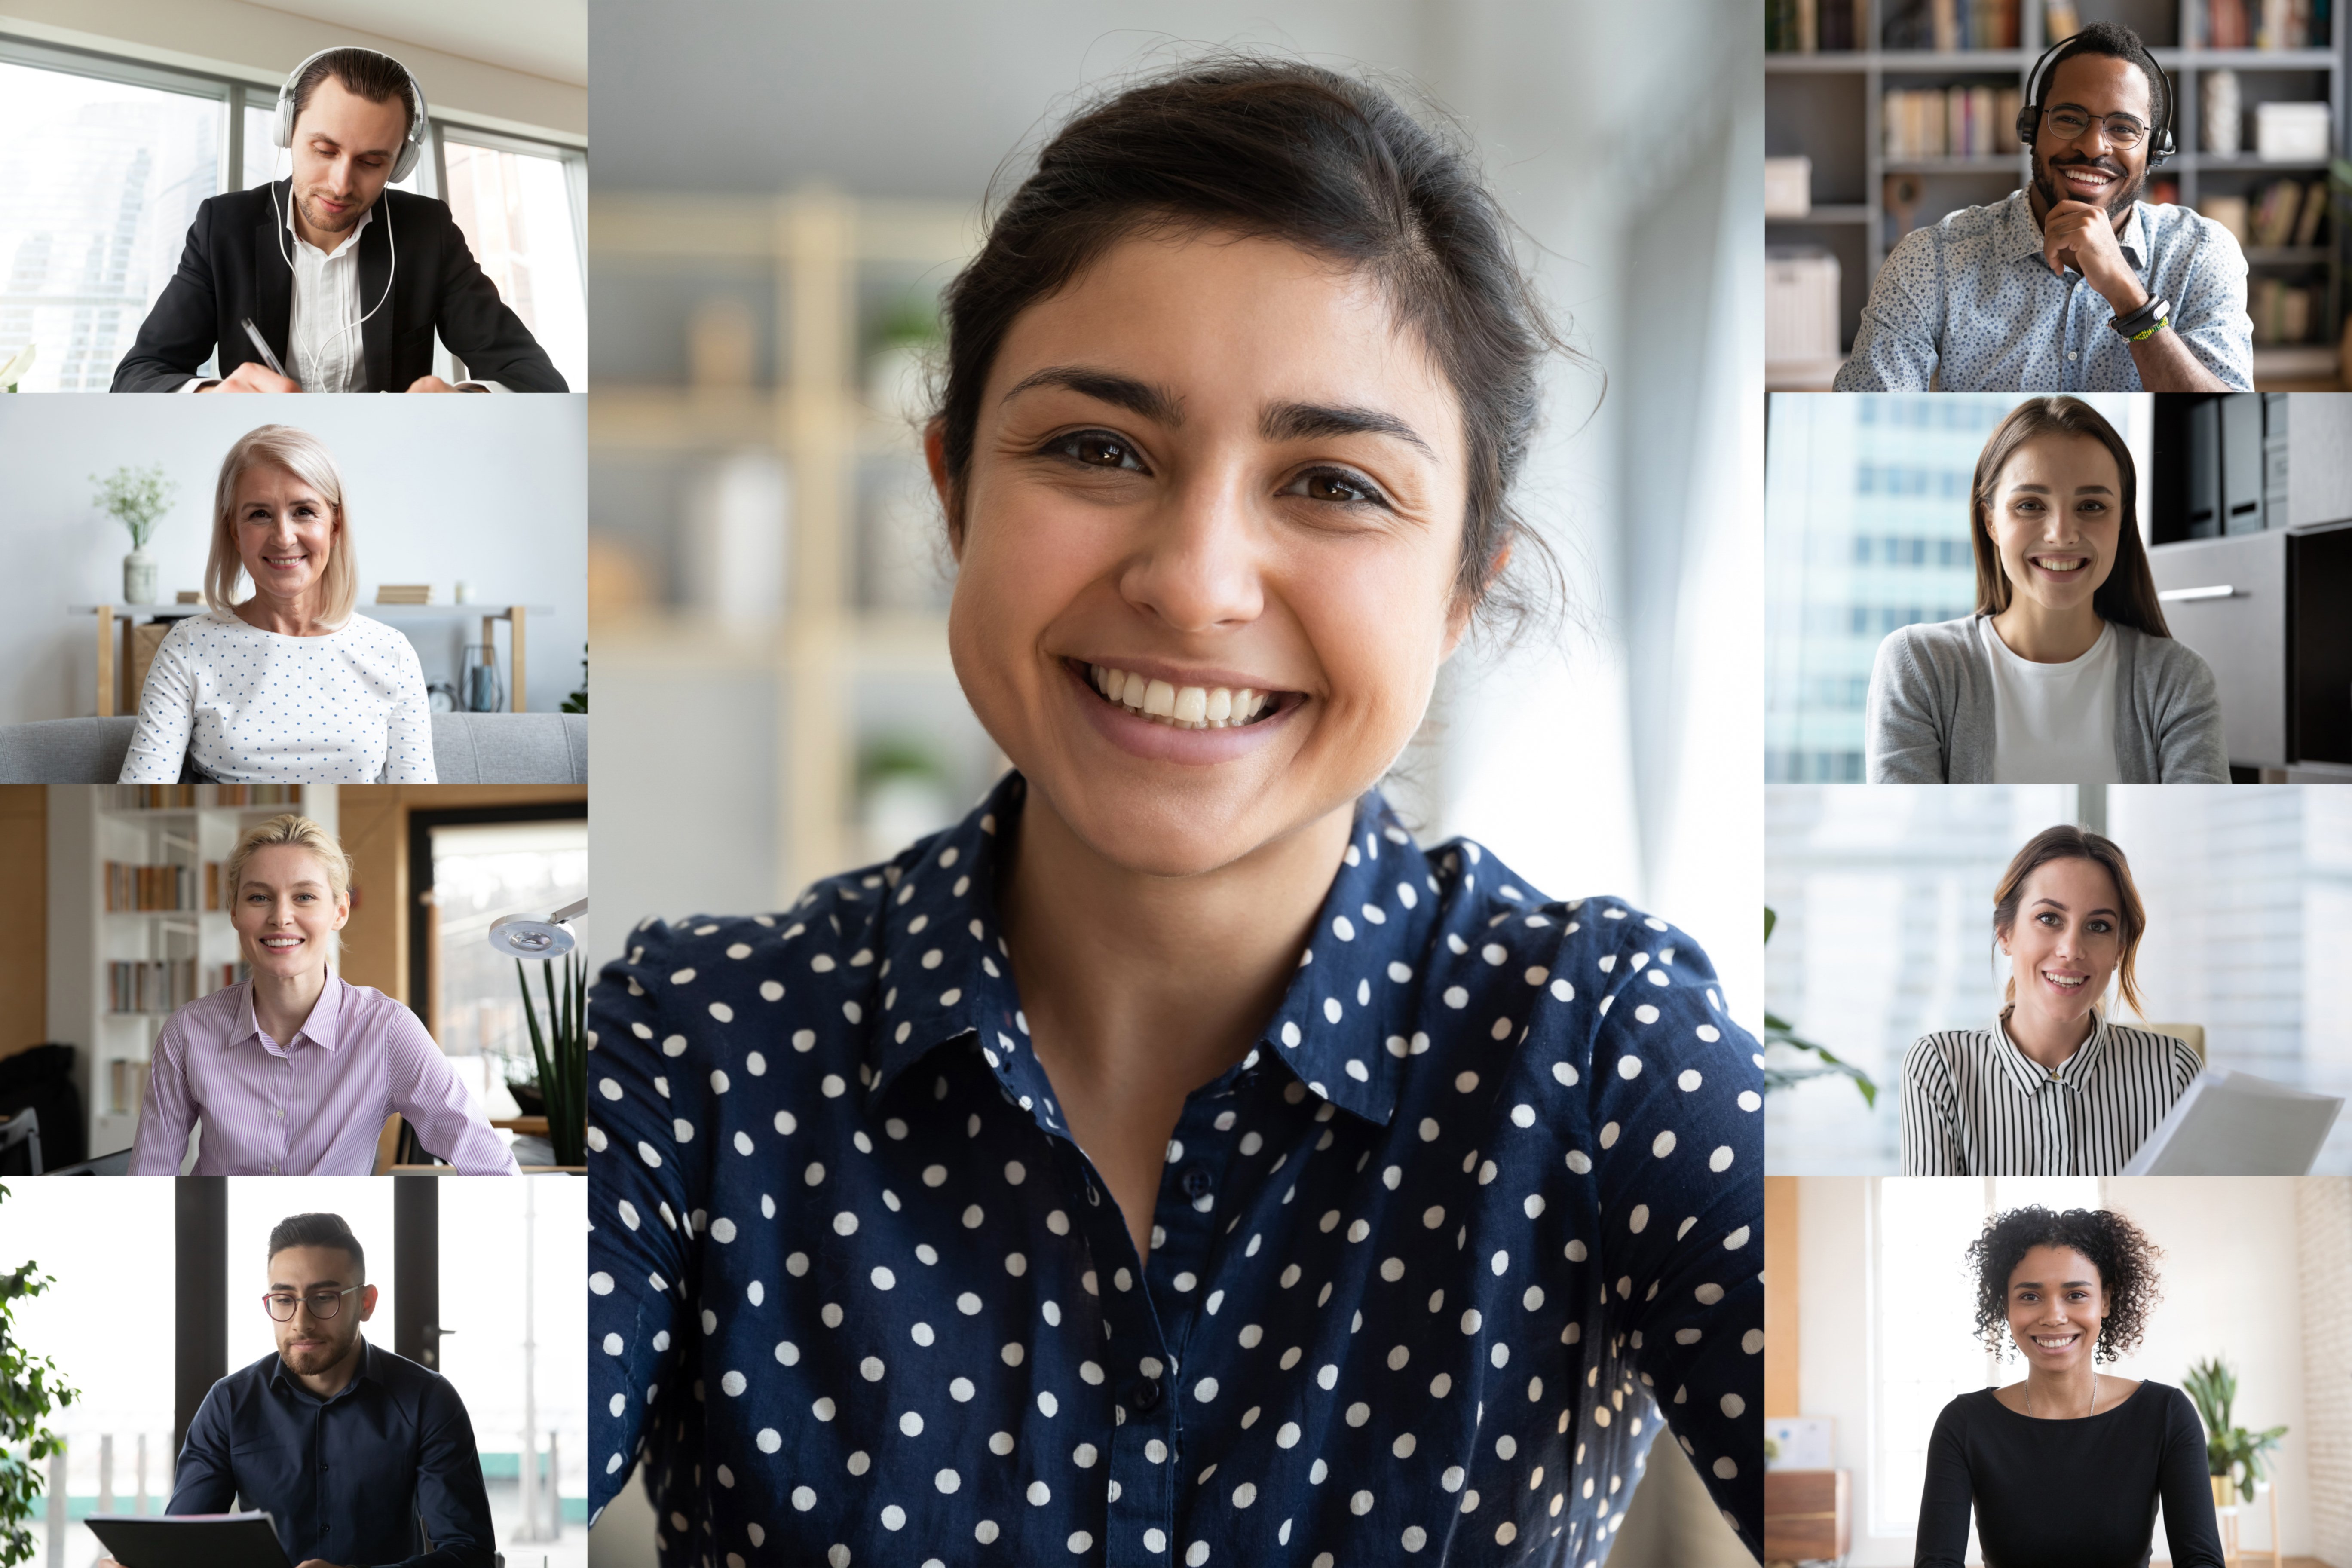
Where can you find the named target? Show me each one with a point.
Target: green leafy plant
(578, 701)
(1779, 1031)
(2229, 1449)
(136, 498)
(561, 1052)
(30, 1389)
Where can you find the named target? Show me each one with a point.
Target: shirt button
(1195, 1182)
(2072, 355)
(1147, 1396)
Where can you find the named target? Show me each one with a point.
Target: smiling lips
(2065, 982)
(2060, 566)
(2086, 179)
(2054, 1343)
(1180, 707)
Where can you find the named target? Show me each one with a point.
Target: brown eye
(1097, 449)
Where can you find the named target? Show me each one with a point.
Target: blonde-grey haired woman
(288, 686)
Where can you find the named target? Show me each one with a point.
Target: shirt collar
(1343, 1028)
(2022, 236)
(2028, 1075)
(350, 241)
(320, 1028)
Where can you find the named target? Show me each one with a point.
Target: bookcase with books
(1905, 110)
(140, 925)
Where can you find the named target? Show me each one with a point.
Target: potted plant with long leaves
(1779, 1031)
(2237, 1459)
(560, 1052)
(30, 1390)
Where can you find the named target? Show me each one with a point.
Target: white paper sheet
(2235, 1124)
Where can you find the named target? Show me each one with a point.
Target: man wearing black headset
(2073, 284)
(343, 282)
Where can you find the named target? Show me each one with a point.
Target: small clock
(441, 697)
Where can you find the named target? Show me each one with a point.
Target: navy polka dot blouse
(1428, 1265)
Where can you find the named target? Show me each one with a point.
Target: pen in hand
(262, 344)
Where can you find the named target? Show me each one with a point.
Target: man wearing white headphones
(345, 283)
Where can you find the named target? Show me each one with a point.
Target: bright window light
(516, 211)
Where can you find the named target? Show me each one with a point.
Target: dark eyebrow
(1306, 421)
(1157, 403)
(2110, 114)
(2054, 904)
(2037, 1285)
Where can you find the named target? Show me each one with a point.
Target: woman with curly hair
(2065, 1468)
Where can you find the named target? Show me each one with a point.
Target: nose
(1199, 566)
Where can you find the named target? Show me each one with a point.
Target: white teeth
(2074, 563)
(1183, 707)
(2069, 982)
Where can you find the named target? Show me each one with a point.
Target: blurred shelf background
(1882, 166)
(761, 513)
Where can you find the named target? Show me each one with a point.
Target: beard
(318, 1358)
(325, 222)
(2122, 191)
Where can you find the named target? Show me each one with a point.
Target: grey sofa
(467, 748)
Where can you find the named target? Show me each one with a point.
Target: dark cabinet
(2272, 614)
(2220, 466)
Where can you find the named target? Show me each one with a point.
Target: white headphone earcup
(281, 123)
(401, 165)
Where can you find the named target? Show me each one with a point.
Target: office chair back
(2190, 1034)
(20, 1144)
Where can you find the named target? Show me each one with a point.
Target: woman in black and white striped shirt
(2053, 1087)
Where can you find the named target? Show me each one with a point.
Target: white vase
(139, 578)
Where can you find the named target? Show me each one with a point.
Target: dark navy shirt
(1427, 1264)
(343, 1478)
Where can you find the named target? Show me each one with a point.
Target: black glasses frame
(270, 1301)
(2135, 133)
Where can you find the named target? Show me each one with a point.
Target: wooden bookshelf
(828, 263)
(1826, 106)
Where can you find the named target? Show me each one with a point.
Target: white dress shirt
(324, 352)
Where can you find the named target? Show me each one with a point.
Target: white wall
(2230, 1276)
(547, 97)
(490, 489)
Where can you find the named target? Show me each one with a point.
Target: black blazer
(234, 267)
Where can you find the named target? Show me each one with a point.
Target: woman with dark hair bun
(2066, 673)
(2065, 1468)
(1174, 1161)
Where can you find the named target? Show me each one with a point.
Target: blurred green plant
(136, 498)
(561, 1053)
(1779, 1031)
(2229, 1449)
(30, 1389)
(578, 701)
(15, 368)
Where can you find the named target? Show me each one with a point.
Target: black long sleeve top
(2068, 1494)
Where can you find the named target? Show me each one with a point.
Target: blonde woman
(294, 1069)
(288, 686)
(2053, 1089)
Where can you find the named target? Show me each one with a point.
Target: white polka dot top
(256, 707)
(1428, 1265)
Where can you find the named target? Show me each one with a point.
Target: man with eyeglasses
(347, 1447)
(2072, 284)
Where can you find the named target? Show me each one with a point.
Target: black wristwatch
(2145, 322)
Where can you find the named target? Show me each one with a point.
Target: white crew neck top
(2053, 723)
(257, 707)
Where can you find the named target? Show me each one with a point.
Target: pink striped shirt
(314, 1109)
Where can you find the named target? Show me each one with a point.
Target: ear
(367, 1302)
(1458, 615)
(935, 458)
(343, 909)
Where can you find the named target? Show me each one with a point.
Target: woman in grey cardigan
(2066, 673)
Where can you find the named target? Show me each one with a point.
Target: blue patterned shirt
(1970, 302)
(1427, 1264)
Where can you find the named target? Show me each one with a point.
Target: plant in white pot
(137, 498)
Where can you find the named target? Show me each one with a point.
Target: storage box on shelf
(1912, 121)
(139, 924)
(847, 632)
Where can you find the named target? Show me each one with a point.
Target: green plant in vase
(137, 498)
(1779, 1031)
(30, 1390)
(561, 1053)
(2233, 1454)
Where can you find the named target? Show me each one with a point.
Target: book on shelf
(1948, 27)
(2264, 23)
(148, 888)
(126, 1086)
(403, 594)
(2282, 313)
(1815, 26)
(2283, 213)
(1958, 122)
(183, 797)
